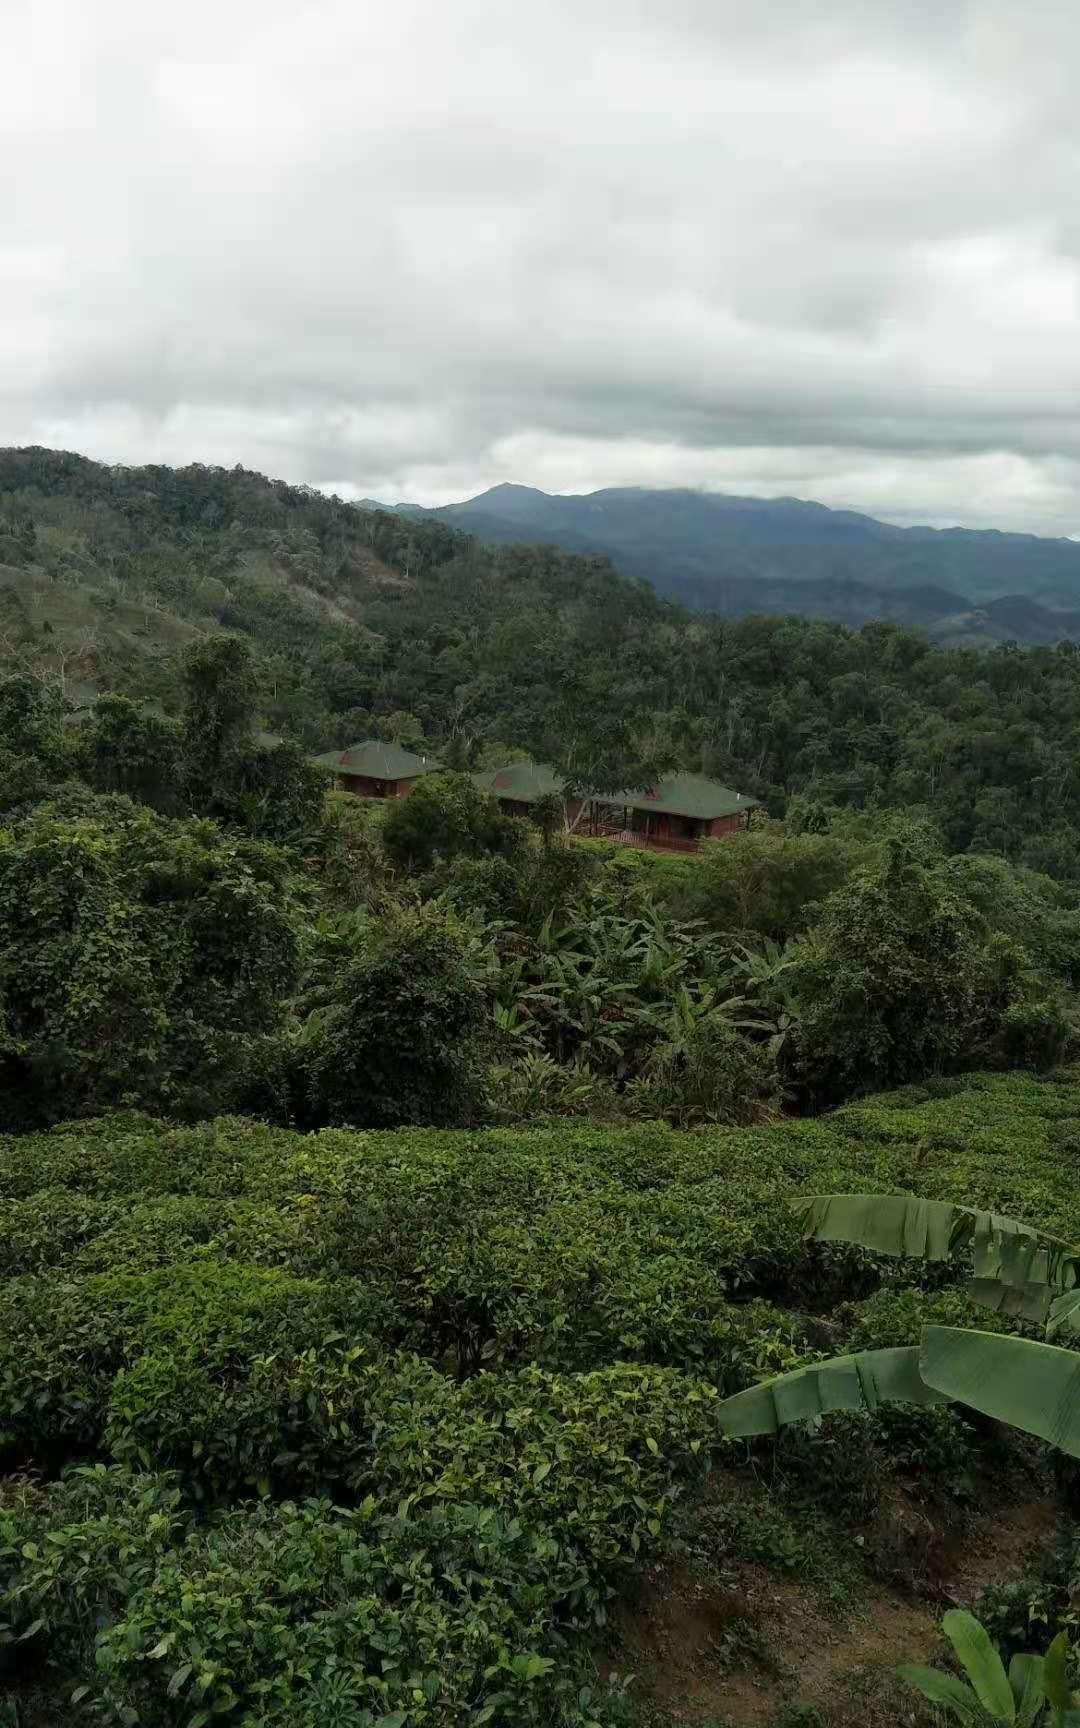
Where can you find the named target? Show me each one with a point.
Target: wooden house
(519, 786)
(374, 769)
(676, 814)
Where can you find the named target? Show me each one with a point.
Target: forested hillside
(395, 1208)
(722, 553)
(367, 622)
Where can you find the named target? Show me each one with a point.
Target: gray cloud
(829, 247)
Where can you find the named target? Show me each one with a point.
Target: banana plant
(1017, 1699)
(760, 974)
(1017, 1269)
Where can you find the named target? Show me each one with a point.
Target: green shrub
(289, 1615)
(499, 1352)
(201, 1369)
(711, 1074)
(140, 959)
(445, 816)
(401, 1036)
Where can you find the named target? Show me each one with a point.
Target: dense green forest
(364, 621)
(191, 920)
(394, 1196)
(732, 555)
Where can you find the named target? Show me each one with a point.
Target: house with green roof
(519, 785)
(375, 769)
(675, 814)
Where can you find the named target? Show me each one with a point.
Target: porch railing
(645, 842)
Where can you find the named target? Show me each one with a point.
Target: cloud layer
(828, 247)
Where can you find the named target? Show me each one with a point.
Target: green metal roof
(685, 795)
(676, 795)
(377, 760)
(524, 782)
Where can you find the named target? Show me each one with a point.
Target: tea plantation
(374, 1428)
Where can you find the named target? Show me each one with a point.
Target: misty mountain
(721, 553)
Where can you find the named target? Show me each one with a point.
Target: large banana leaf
(956, 1698)
(1028, 1682)
(1017, 1268)
(859, 1382)
(1031, 1302)
(1064, 1314)
(887, 1223)
(1034, 1387)
(981, 1663)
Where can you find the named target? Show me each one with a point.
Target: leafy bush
(379, 1422)
(896, 981)
(708, 1072)
(137, 956)
(399, 1034)
(536, 1088)
(445, 816)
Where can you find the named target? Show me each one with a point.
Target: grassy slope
(605, 1283)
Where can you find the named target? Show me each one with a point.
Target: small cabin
(374, 769)
(674, 815)
(522, 784)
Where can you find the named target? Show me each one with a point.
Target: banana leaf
(981, 1663)
(1029, 1263)
(943, 1689)
(1064, 1313)
(1034, 1387)
(1031, 1302)
(1021, 1257)
(1027, 1679)
(888, 1223)
(859, 1382)
(1056, 1673)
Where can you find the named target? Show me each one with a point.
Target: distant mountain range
(720, 553)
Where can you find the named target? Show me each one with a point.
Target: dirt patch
(321, 602)
(374, 571)
(704, 1650)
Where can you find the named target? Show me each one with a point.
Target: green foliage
(313, 1425)
(705, 1071)
(220, 683)
(352, 866)
(769, 881)
(1019, 1271)
(399, 1032)
(272, 791)
(445, 816)
(126, 748)
(138, 957)
(297, 1614)
(896, 980)
(534, 1088)
(648, 1012)
(1034, 1609)
(1032, 1686)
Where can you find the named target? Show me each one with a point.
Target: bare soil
(740, 1648)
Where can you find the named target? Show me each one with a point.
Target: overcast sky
(410, 248)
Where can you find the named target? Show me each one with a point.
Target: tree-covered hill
(367, 1316)
(732, 555)
(365, 622)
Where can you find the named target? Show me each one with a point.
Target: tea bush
(368, 1427)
